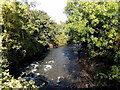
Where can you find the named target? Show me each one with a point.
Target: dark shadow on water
(70, 53)
(79, 77)
(28, 61)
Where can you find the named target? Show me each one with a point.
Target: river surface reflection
(58, 69)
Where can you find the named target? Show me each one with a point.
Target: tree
(95, 27)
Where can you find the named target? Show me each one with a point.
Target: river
(59, 69)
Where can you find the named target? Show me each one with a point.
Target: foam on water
(47, 67)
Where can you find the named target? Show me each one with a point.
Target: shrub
(95, 26)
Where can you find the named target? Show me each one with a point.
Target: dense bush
(17, 43)
(14, 38)
(41, 27)
(7, 81)
(95, 27)
(25, 33)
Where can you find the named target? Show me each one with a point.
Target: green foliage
(61, 37)
(42, 28)
(25, 34)
(12, 45)
(95, 27)
(7, 81)
(109, 77)
(12, 25)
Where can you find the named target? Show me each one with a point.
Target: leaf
(83, 39)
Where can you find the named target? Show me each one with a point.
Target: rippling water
(59, 68)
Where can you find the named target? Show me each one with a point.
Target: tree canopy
(95, 26)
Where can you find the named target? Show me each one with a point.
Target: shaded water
(58, 69)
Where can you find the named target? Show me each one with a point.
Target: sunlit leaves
(95, 26)
(25, 33)
(100, 19)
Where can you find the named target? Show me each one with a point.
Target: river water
(59, 68)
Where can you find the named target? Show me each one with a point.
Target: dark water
(58, 69)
